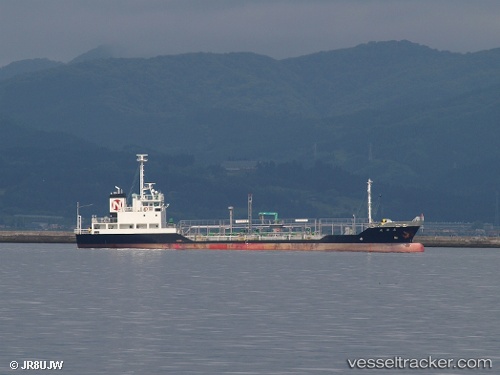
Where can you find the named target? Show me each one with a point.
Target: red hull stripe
(357, 247)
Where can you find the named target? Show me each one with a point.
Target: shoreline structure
(427, 241)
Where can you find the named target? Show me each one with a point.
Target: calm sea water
(202, 312)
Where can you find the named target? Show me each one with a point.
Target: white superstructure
(146, 214)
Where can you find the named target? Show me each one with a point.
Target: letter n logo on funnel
(116, 205)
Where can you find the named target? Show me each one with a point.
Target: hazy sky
(63, 29)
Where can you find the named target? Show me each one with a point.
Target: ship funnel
(117, 203)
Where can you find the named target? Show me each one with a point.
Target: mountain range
(422, 123)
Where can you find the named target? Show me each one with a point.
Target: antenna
(142, 158)
(249, 213)
(369, 191)
(496, 210)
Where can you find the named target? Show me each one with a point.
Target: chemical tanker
(143, 224)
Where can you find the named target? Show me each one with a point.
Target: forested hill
(419, 121)
(26, 66)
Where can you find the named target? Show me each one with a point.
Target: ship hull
(269, 246)
(394, 240)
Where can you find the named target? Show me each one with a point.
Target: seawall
(69, 237)
(457, 241)
(37, 237)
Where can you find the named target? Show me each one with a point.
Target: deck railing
(270, 229)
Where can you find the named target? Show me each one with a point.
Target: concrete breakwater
(457, 241)
(69, 237)
(37, 237)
